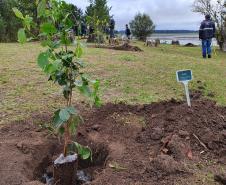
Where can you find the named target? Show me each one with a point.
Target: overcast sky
(166, 14)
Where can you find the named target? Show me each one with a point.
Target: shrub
(142, 26)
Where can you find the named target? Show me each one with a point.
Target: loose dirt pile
(190, 45)
(124, 47)
(161, 143)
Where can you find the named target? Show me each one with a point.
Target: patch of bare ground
(160, 143)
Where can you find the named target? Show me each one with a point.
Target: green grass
(129, 77)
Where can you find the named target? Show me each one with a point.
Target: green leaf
(55, 44)
(96, 85)
(78, 51)
(49, 43)
(97, 101)
(27, 22)
(50, 68)
(71, 110)
(85, 90)
(22, 36)
(64, 39)
(61, 130)
(48, 28)
(57, 63)
(43, 60)
(80, 63)
(61, 78)
(84, 152)
(45, 43)
(41, 8)
(74, 125)
(64, 115)
(76, 120)
(57, 122)
(18, 13)
(78, 83)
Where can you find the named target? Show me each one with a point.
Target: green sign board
(184, 76)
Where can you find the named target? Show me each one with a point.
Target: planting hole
(86, 168)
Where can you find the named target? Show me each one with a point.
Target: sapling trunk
(67, 126)
(65, 172)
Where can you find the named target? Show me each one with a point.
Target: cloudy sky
(166, 14)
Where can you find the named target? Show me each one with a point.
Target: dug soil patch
(124, 47)
(161, 143)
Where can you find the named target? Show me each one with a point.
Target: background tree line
(97, 16)
(9, 23)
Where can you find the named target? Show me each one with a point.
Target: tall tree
(97, 16)
(28, 7)
(8, 22)
(74, 13)
(216, 10)
(98, 9)
(90, 9)
(142, 26)
(77, 17)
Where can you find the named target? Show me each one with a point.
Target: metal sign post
(185, 76)
(187, 93)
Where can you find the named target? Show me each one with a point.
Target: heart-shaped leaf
(22, 36)
(43, 60)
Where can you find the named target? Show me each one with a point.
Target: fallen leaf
(116, 166)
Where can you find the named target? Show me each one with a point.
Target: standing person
(112, 30)
(83, 29)
(206, 33)
(128, 32)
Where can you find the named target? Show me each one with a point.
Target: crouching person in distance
(206, 33)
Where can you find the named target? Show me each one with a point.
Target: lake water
(183, 38)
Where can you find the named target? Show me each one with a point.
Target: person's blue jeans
(206, 47)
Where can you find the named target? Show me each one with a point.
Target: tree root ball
(65, 170)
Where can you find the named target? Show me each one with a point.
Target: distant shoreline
(174, 31)
(167, 32)
(183, 38)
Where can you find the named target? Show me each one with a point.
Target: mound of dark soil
(127, 47)
(124, 47)
(160, 143)
(190, 45)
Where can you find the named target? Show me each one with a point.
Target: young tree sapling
(63, 66)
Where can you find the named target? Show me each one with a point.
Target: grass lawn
(131, 77)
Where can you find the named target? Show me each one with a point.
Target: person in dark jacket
(127, 32)
(112, 31)
(206, 33)
(83, 29)
(112, 28)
